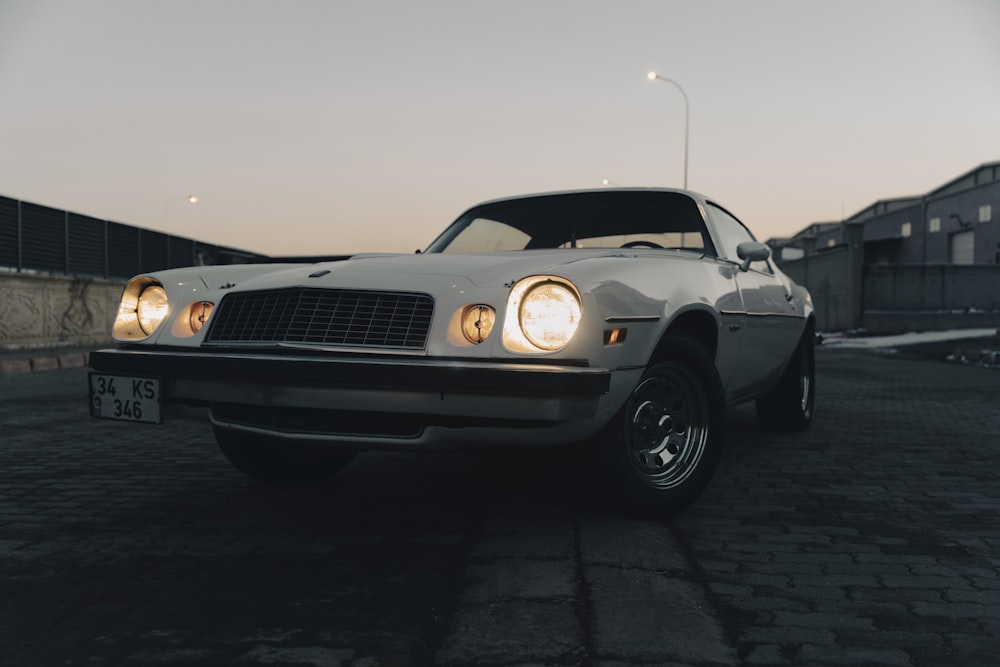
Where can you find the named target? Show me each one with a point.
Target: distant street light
(607, 182)
(191, 199)
(653, 76)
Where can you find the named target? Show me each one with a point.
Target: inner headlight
(200, 312)
(477, 322)
(151, 308)
(543, 314)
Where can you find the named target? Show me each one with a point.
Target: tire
(659, 452)
(789, 405)
(281, 462)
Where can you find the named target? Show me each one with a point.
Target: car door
(770, 324)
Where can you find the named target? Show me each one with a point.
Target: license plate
(125, 397)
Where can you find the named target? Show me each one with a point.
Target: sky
(309, 127)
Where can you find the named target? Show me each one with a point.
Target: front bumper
(378, 400)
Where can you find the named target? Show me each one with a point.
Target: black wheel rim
(667, 429)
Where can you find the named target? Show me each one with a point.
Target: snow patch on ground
(840, 340)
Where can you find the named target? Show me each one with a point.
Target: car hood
(422, 271)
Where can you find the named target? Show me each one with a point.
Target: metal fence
(38, 238)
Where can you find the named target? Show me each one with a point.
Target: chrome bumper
(428, 393)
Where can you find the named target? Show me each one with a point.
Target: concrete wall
(849, 294)
(40, 311)
(897, 298)
(937, 287)
(834, 278)
(825, 276)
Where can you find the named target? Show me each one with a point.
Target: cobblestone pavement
(872, 539)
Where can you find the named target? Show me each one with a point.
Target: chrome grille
(324, 317)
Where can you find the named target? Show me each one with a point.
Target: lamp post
(653, 76)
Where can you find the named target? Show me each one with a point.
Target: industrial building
(956, 223)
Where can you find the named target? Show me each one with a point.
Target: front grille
(323, 317)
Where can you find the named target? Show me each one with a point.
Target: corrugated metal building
(955, 224)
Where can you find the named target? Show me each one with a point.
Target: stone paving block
(766, 654)
(777, 635)
(630, 543)
(44, 363)
(771, 604)
(15, 366)
(895, 638)
(617, 663)
(73, 360)
(825, 655)
(520, 579)
(168, 656)
(839, 580)
(828, 621)
(317, 656)
(990, 597)
(820, 592)
(514, 631)
(957, 610)
(925, 582)
(553, 546)
(653, 617)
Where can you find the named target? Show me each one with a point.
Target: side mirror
(752, 251)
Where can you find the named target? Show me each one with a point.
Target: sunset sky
(327, 127)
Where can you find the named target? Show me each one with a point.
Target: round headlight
(549, 315)
(477, 322)
(200, 312)
(152, 308)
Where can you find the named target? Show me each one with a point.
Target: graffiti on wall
(78, 315)
(43, 311)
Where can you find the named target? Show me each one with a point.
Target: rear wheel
(789, 405)
(277, 461)
(662, 447)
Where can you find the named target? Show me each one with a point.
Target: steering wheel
(641, 244)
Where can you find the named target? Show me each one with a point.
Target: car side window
(731, 233)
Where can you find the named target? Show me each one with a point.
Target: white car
(620, 322)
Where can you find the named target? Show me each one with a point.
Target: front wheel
(659, 452)
(282, 462)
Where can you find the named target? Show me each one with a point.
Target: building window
(986, 213)
(906, 230)
(934, 225)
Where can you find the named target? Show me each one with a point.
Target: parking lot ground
(871, 539)
(874, 538)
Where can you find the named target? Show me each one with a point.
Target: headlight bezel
(550, 332)
(477, 322)
(129, 324)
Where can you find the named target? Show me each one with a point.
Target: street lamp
(191, 199)
(606, 182)
(653, 76)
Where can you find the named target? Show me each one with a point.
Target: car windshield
(599, 219)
